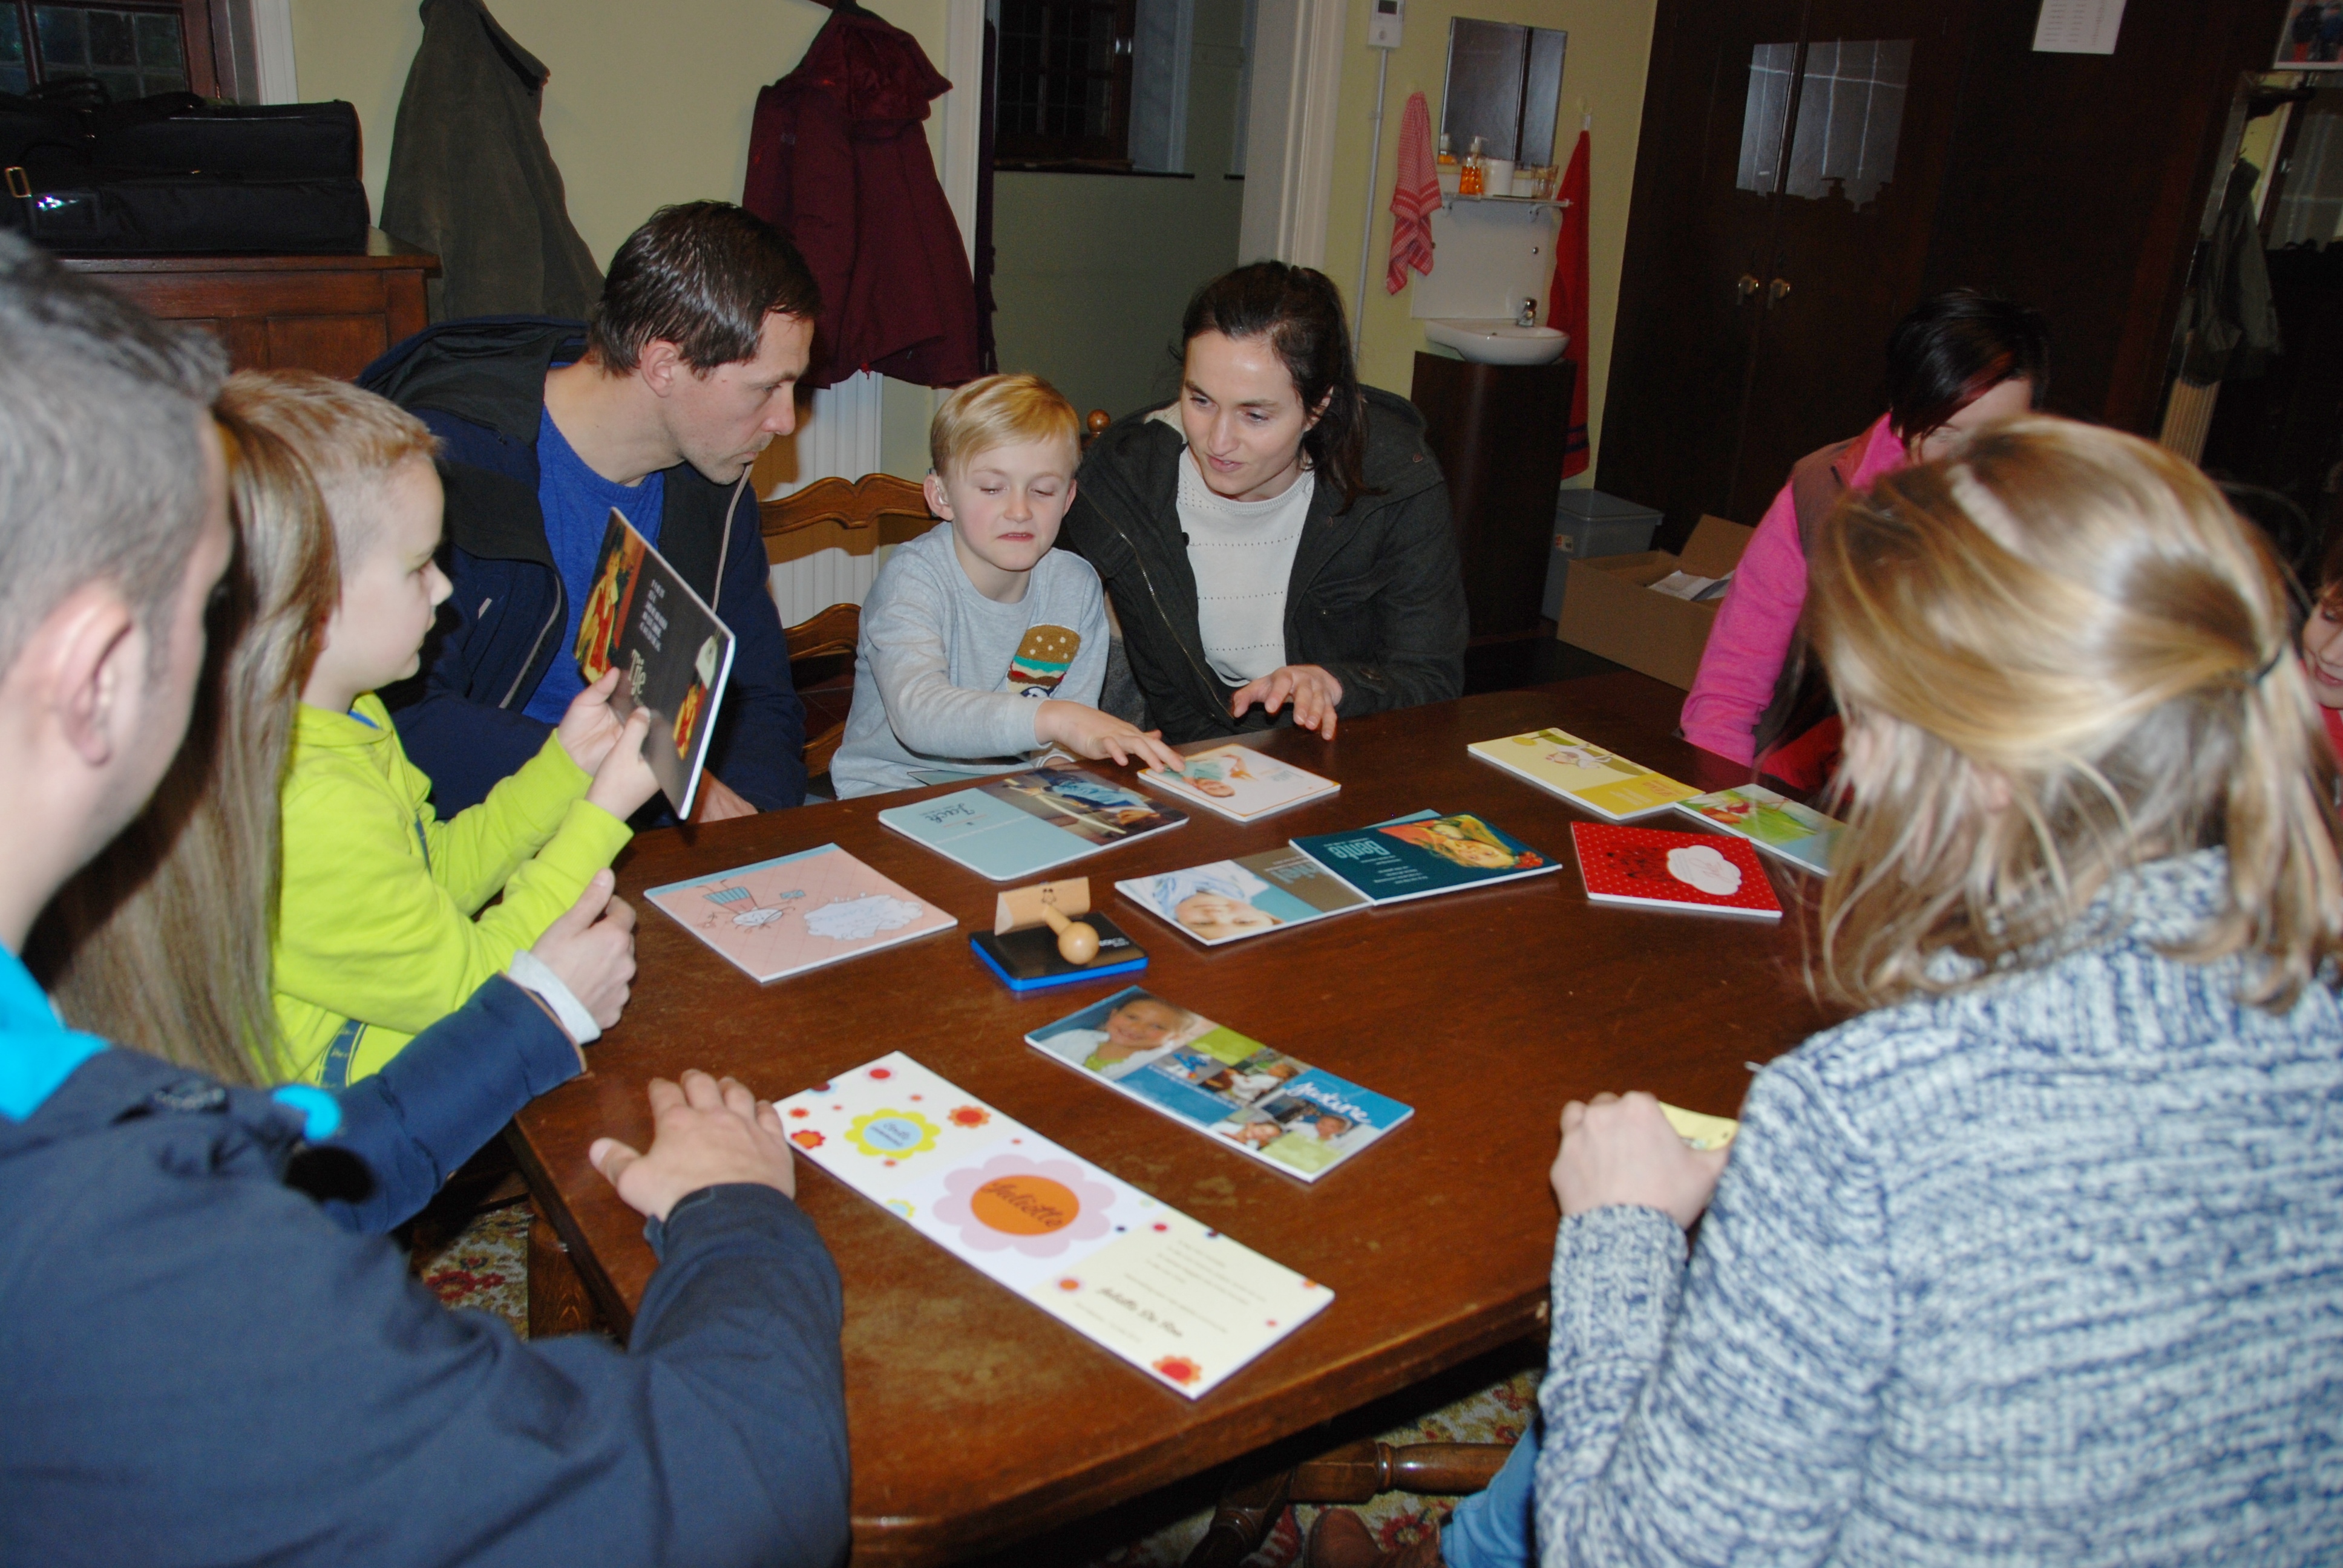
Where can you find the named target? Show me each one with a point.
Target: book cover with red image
(1660, 869)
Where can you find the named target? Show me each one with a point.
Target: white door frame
(1297, 86)
(962, 110)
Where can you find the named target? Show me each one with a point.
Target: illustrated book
(1583, 773)
(672, 654)
(1418, 856)
(1774, 823)
(1251, 896)
(1661, 870)
(1285, 1113)
(1185, 1303)
(1239, 783)
(1022, 823)
(782, 917)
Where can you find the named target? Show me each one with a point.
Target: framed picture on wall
(2312, 39)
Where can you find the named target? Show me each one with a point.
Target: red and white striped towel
(1413, 196)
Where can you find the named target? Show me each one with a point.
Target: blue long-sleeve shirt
(199, 1366)
(2049, 1270)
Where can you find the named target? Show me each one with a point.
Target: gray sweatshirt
(2048, 1271)
(945, 678)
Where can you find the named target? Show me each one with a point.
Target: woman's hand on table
(1316, 695)
(707, 1132)
(1087, 732)
(1619, 1150)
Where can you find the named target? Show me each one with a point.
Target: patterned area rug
(485, 1265)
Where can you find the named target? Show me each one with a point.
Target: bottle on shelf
(1446, 167)
(1469, 177)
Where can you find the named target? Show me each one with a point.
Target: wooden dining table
(975, 1420)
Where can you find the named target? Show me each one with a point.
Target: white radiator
(838, 437)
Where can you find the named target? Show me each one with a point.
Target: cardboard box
(1608, 607)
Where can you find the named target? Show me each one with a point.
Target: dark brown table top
(976, 1420)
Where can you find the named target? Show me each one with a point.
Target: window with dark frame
(1063, 88)
(133, 48)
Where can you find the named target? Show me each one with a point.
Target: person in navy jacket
(656, 406)
(201, 1364)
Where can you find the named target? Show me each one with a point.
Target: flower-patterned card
(1174, 1298)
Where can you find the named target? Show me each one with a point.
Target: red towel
(1566, 306)
(1413, 196)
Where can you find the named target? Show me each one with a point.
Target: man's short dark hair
(702, 275)
(101, 424)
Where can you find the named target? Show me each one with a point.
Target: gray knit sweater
(2049, 1270)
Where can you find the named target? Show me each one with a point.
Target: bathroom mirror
(1504, 87)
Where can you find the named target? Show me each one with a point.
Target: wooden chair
(857, 516)
(1354, 1473)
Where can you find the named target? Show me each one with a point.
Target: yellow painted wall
(1092, 271)
(1609, 53)
(647, 105)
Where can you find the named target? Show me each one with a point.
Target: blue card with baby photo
(1287, 1114)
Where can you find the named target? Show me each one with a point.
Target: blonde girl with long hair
(163, 939)
(2038, 1259)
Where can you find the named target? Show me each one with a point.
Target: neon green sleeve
(367, 930)
(475, 853)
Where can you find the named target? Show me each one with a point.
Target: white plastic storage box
(1590, 523)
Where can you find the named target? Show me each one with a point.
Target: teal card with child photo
(1251, 1097)
(1022, 823)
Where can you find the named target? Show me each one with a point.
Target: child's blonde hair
(1001, 412)
(349, 439)
(2077, 618)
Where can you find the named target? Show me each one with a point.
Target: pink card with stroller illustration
(783, 916)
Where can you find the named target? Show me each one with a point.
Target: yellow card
(1701, 1132)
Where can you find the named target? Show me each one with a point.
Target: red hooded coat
(839, 162)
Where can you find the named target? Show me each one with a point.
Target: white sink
(1499, 342)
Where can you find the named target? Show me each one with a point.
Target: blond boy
(376, 936)
(981, 646)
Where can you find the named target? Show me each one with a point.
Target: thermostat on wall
(1382, 23)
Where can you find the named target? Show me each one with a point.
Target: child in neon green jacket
(380, 932)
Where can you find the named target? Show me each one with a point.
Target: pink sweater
(1751, 635)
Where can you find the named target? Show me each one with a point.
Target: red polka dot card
(1661, 869)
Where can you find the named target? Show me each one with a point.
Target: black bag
(174, 174)
(160, 214)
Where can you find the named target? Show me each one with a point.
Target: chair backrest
(822, 546)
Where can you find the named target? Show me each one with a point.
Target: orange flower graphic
(1179, 1368)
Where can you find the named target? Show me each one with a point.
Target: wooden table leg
(558, 1301)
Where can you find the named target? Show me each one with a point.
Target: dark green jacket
(1375, 598)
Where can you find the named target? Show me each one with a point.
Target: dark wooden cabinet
(331, 314)
(1771, 248)
(1497, 430)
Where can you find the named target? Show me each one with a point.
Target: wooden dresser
(331, 314)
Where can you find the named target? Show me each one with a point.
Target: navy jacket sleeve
(225, 1377)
(760, 746)
(438, 1101)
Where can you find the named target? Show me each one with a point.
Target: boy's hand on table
(1620, 1151)
(590, 726)
(707, 1133)
(624, 780)
(1087, 732)
(592, 950)
(717, 802)
(1316, 695)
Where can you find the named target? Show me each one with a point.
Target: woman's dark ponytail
(1299, 311)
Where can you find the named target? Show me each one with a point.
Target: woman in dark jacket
(1279, 534)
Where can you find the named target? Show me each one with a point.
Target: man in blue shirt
(223, 1374)
(657, 405)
